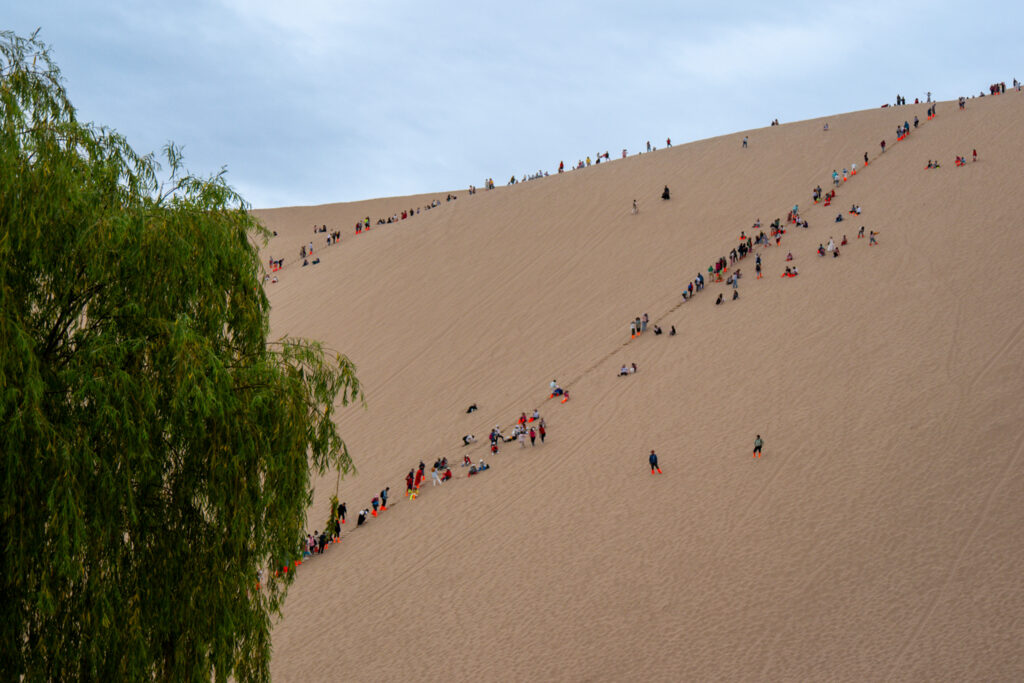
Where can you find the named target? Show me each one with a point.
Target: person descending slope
(653, 459)
(758, 443)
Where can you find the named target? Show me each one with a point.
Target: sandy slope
(878, 538)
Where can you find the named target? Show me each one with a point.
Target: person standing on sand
(744, 142)
(542, 431)
(522, 438)
(342, 511)
(758, 444)
(635, 209)
(533, 436)
(653, 459)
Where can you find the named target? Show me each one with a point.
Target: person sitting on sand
(789, 256)
(821, 249)
(843, 243)
(672, 332)
(657, 330)
(839, 218)
(471, 408)
(735, 294)
(468, 439)
(447, 475)
(718, 301)
(665, 194)
(623, 371)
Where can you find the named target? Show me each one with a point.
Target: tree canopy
(157, 450)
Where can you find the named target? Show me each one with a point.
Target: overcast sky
(311, 101)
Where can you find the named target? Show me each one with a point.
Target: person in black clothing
(665, 194)
(653, 459)
(362, 517)
(342, 510)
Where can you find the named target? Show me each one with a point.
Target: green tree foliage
(157, 451)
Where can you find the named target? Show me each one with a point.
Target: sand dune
(878, 538)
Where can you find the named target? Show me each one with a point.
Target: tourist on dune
(653, 460)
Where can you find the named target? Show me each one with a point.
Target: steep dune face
(879, 536)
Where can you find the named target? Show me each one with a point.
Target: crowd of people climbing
(533, 427)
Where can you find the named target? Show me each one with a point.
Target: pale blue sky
(315, 101)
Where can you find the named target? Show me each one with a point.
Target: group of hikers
(534, 426)
(316, 543)
(718, 271)
(333, 237)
